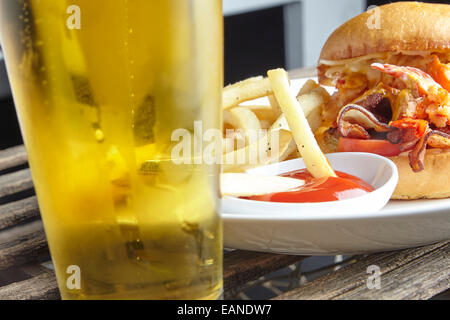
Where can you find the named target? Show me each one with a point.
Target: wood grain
(23, 244)
(41, 287)
(15, 182)
(241, 267)
(13, 157)
(18, 212)
(418, 273)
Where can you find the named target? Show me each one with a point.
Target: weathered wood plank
(13, 157)
(418, 273)
(23, 244)
(15, 182)
(241, 267)
(26, 243)
(18, 212)
(41, 287)
(420, 279)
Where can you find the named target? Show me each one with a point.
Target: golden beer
(100, 86)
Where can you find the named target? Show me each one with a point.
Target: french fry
(245, 90)
(311, 96)
(265, 124)
(247, 185)
(263, 112)
(241, 117)
(324, 93)
(275, 106)
(314, 159)
(317, 91)
(280, 123)
(315, 118)
(233, 140)
(310, 101)
(231, 161)
(244, 119)
(309, 86)
(311, 104)
(294, 155)
(228, 144)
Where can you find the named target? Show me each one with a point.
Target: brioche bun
(405, 27)
(431, 183)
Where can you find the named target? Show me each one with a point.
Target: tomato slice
(381, 147)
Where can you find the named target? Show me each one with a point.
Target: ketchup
(344, 186)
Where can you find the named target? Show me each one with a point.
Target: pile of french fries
(281, 115)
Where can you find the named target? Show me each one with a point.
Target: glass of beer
(100, 86)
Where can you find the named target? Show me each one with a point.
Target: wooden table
(418, 273)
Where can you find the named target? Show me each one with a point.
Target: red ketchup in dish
(344, 186)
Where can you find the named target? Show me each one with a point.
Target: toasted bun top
(403, 26)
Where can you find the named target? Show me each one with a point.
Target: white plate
(399, 225)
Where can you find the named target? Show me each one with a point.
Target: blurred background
(262, 34)
(259, 35)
